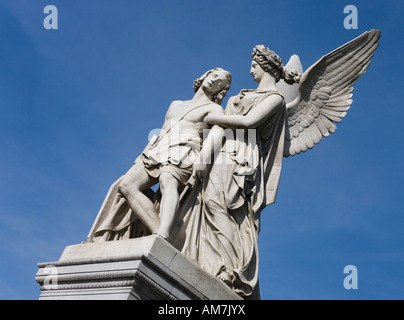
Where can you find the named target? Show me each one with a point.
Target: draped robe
(218, 221)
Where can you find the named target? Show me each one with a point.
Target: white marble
(211, 212)
(143, 268)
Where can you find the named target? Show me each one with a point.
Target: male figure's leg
(169, 187)
(133, 183)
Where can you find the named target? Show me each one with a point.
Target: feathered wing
(288, 91)
(325, 93)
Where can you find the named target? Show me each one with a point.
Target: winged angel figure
(221, 214)
(218, 220)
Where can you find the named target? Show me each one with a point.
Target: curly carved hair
(270, 62)
(218, 97)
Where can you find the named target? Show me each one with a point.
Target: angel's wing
(288, 91)
(325, 93)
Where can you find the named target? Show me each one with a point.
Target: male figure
(169, 160)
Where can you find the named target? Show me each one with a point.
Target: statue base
(145, 268)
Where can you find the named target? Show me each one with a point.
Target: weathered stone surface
(142, 268)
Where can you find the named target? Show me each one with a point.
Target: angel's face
(256, 71)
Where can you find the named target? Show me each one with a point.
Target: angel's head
(216, 82)
(266, 60)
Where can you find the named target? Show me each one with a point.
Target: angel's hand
(198, 170)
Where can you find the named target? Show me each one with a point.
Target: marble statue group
(217, 169)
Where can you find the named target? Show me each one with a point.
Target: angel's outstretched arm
(253, 119)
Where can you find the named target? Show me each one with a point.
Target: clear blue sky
(77, 105)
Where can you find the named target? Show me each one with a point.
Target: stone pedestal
(144, 268)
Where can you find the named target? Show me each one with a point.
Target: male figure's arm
(211, 144)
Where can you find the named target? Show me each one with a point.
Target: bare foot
(224, 276)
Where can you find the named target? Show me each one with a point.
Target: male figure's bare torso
(189, 116)
(173, 153)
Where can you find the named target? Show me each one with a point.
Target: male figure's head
(215, 82)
